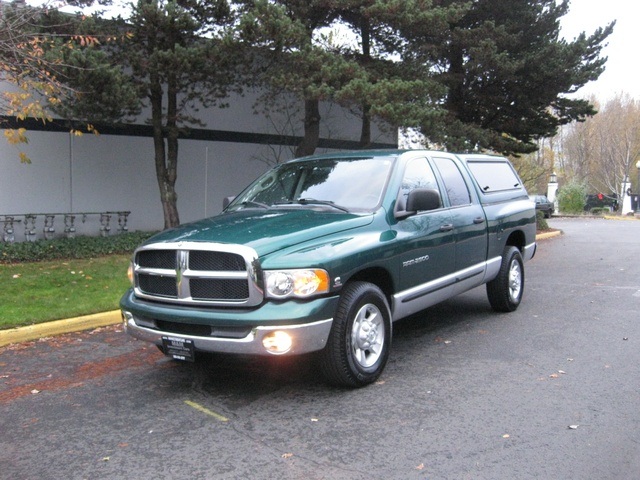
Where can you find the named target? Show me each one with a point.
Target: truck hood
(265, 231)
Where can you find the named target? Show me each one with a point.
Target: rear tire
(505, 291)
(358, 346)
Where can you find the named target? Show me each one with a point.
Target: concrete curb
(88, 322)
(58, 327)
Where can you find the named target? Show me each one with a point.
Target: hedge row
(71, 248)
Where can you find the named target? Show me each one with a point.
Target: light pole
(552, 190)
(638, 188)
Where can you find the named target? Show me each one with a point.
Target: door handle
(446, 227)
(478, 220)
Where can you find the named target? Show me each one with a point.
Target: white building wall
(42, 184)
(89, 173)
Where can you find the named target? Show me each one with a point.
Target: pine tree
(508, 71)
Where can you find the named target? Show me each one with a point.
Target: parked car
(543, 204)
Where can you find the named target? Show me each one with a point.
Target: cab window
(454, 183)
(417, 174)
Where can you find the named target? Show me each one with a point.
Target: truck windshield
(345, 184)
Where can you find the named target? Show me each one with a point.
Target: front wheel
(505, 291)
(358, 345)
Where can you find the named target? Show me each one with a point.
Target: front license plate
(178, 348)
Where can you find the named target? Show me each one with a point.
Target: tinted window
(494, 176)
(454, 183)
(353, 183)
(417, 174)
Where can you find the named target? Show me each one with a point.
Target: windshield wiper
(313, 201)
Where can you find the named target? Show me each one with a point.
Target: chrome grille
(204, 260)
(157, 259)
(200, 273)
(158, 285)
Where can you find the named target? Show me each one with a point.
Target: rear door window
(454, 183)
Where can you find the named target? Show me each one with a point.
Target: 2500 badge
(415, 261)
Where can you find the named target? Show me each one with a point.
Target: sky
(622, 74)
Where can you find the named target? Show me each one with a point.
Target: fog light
(277, 342)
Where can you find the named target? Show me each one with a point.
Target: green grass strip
(36, 292)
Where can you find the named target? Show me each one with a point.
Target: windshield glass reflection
(344, 184)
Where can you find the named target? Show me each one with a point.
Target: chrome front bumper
(308, 337)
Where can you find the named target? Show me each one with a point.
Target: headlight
(296, 283)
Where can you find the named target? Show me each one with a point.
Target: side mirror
(419, 200)
(423, 199)
(226, 201)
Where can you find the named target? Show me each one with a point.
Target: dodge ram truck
(324, 253)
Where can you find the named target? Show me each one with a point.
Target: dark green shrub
(599, 211)
(541, 222)
(67, 248)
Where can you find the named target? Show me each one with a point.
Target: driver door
(425, 241)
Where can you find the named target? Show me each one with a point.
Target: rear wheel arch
(516, 239)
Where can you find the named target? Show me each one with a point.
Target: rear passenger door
(466, 213)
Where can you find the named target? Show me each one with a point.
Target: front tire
(505, 291)
(358, 346)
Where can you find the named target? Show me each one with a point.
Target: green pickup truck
(323, 253)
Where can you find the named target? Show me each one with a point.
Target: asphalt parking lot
(551, 391)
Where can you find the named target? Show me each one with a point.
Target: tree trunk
(169, 200)
(166, 184)
(311, 128)
(455, 80)
(365, 132)
(166, 157)
(171, 217)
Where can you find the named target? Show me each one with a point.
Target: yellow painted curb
(620, 217)
(544, 236)
(58, 327)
